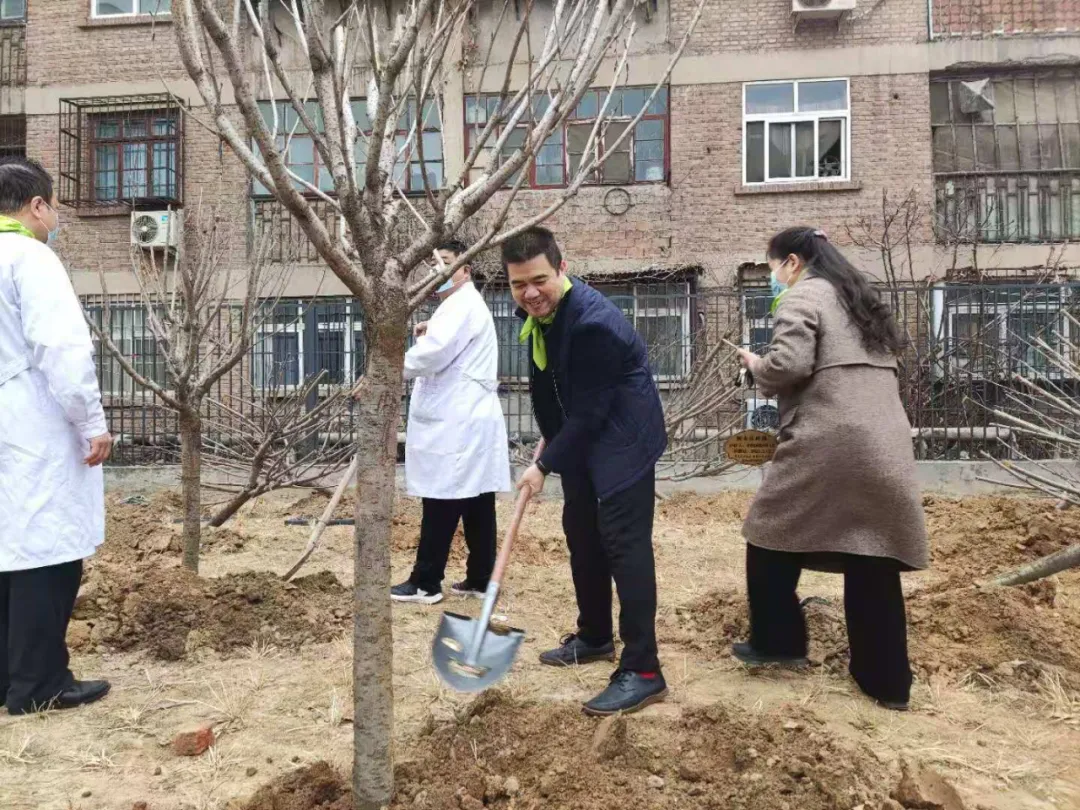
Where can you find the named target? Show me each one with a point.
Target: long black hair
(820, 256)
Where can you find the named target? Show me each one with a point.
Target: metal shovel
(469, 654)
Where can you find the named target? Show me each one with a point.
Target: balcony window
(301, 156)
(12, 10)
(124, 150)
(796, 131)
(641, 157)
(1007, 157)
(129, 8)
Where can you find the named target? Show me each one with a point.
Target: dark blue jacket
(596, 403)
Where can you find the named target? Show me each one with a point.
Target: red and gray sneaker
(466, 588)
(408, 592)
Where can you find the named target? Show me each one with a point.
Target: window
(130, 8)
(297, 146)
(278, 351)
(796, 131)
(757, 318)
(12, 136)
(130, 332)
(134, 155)
(1007, 157)
(339, 342)
(660, 312)
(12, 10)
(642, 157)
(513, 354)
(991, 332)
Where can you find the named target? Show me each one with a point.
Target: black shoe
(466, 588)
(78, 694)
(628, 692)
(752, 658)
(893, 705)
(572, 650)
(408, 592)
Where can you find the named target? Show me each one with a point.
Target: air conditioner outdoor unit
(157, 229)
(762, 414)
(820, 9)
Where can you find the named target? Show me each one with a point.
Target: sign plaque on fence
(750, 447)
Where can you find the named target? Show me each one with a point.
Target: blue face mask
(776, 285)
(54, 233)
(446, 286)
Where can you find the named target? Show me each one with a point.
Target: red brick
(193, 743)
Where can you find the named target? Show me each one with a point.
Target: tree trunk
(191, 485)
(231, 508)
(1044, 567)
(373, 691)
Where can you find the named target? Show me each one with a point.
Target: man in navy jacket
(603, 428)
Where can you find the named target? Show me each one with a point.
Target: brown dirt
(139, 532)
(980, 537)
(504, 753)
(685, 509)
(171, 612)
(996, 636)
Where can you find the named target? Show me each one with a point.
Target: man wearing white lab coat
(53, 439)
(456, 453)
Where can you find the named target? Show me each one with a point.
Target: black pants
(35, 608)
(437, 528)
(609, 540)
(873, 608)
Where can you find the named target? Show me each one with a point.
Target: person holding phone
(840, 494)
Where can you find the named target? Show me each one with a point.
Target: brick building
(967, 109)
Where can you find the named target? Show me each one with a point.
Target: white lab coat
(455, 443)
(52, 506)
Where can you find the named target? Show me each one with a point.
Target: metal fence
(966, 345)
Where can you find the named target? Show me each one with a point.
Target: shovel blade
(451, 646)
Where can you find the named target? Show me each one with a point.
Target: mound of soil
(718, 619)
(1001, 635)
(171, 612)
(502, 753)
(687, 509)
(144, 530)
(980, 537)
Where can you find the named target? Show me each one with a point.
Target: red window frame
(472, 131)
(148, 138)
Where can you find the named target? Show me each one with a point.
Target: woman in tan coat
(840, 494)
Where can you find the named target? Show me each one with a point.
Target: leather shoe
(572, 650)
(628, 692)
(78, 694)
(752, 658)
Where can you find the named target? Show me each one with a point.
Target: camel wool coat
(843, 476)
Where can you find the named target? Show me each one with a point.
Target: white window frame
(946, 312)
(122, 330)
(97, 15)
(8, 17)
(266, 331)
(796, 117)
(638, 291)
(353, 324)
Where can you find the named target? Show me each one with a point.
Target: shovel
(469, 654)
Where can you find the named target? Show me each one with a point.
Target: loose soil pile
(504, 753)
(171, 612)
(981, 537)
(147, 529)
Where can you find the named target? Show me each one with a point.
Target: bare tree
(400, 54)
(201, 305)
(265, 440)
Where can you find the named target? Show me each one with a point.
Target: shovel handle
(503, 559)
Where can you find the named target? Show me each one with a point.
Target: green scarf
(9, 225)
(532, 327)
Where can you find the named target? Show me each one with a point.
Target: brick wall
(740, 25)
(1005, 17)
(65, 47)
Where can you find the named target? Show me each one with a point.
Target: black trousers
(612, 539)
(35, 608)
(873, 608)
(437, 527)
